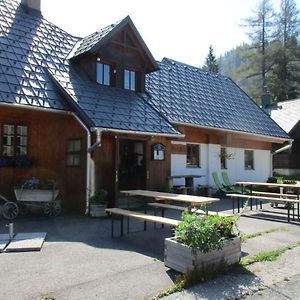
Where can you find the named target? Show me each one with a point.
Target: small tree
(211, 63)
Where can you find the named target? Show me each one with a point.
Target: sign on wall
(158, 152)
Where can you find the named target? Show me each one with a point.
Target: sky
(178, 29)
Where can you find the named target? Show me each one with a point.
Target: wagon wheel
(23, 209)
(52, 208)
(10, 210)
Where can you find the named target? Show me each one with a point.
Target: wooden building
(287, 115)
(100, 111)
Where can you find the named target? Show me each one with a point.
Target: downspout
(286, 147)
(88, 159)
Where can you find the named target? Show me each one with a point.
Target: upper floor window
(14, 140)
(192, 155)
(249, 159)
(103, 73)
(129, 80)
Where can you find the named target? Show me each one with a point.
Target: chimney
(32, 4)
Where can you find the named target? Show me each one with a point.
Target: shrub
(205, 233)
(99, 197)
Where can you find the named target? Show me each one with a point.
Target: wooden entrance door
(132, 164)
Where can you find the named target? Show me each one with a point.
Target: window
(103, 73)
(249, 159)
(14, 140)
(192, 155)
(74, 153)
(129, 80)
(223, 158)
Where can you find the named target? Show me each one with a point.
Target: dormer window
(129, 80)
(103, 73)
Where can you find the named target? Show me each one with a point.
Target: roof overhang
(271, 139)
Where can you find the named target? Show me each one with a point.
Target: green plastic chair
(228, 184)
(219, 185)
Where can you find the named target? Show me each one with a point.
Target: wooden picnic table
(189, 180)
(159, 196)
(266, 184)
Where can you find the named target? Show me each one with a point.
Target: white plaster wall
(210, 162)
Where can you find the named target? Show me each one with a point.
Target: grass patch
(267, 255)
(256, 234)
(178, 286)
(47, 297)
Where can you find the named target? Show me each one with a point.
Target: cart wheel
(52, 208)
(10, 210)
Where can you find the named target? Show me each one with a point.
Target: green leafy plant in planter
(205, 233)
(98, 203)
(203, 243)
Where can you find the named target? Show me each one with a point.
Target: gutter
(121, 131)
(233, 131)
(90, 148)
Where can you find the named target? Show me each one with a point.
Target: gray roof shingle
(186, 94)
(108, 107)
(28, 44)
(287, 114)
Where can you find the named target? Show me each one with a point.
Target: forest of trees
(270, 63)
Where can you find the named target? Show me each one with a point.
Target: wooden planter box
(184, 259)
(36, 195)
(98, 210)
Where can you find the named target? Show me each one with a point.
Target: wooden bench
(266, 199)
(274, 194)
(182, 208)
(139, 216)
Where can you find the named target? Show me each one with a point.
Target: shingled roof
(28, 45)
(189, 95)
(35, 71)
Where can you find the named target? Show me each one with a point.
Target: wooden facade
(48, 133)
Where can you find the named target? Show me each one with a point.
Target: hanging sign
(158, 152)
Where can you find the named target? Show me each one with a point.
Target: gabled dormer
(115, 56)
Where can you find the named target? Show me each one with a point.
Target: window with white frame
(103, 73)
(14, 140)
(192, 155)
(129, 80)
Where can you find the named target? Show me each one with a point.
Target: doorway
(132, 168)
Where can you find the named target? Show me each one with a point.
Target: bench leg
(298, 206)
(122, 227)
(233, 205)
(251, 204)
(112, 225)
(289, 213)
(154, 215)
(293, 212)
(145, 225)
(260, 204)
(162, 214)
(238, 205)
(128, 224)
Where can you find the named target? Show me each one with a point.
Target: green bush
(99, 197)
(205, 233)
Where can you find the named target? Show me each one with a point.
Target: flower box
(98, 210)
(184, 259)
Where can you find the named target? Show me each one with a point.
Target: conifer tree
(211, 63)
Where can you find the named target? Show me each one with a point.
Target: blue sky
(181, 30)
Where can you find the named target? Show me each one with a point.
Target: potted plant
(98, 203)
(203, 243)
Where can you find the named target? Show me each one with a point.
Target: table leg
(122, 227)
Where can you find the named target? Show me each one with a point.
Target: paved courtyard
(80, 260)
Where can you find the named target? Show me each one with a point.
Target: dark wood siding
(47, 136)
